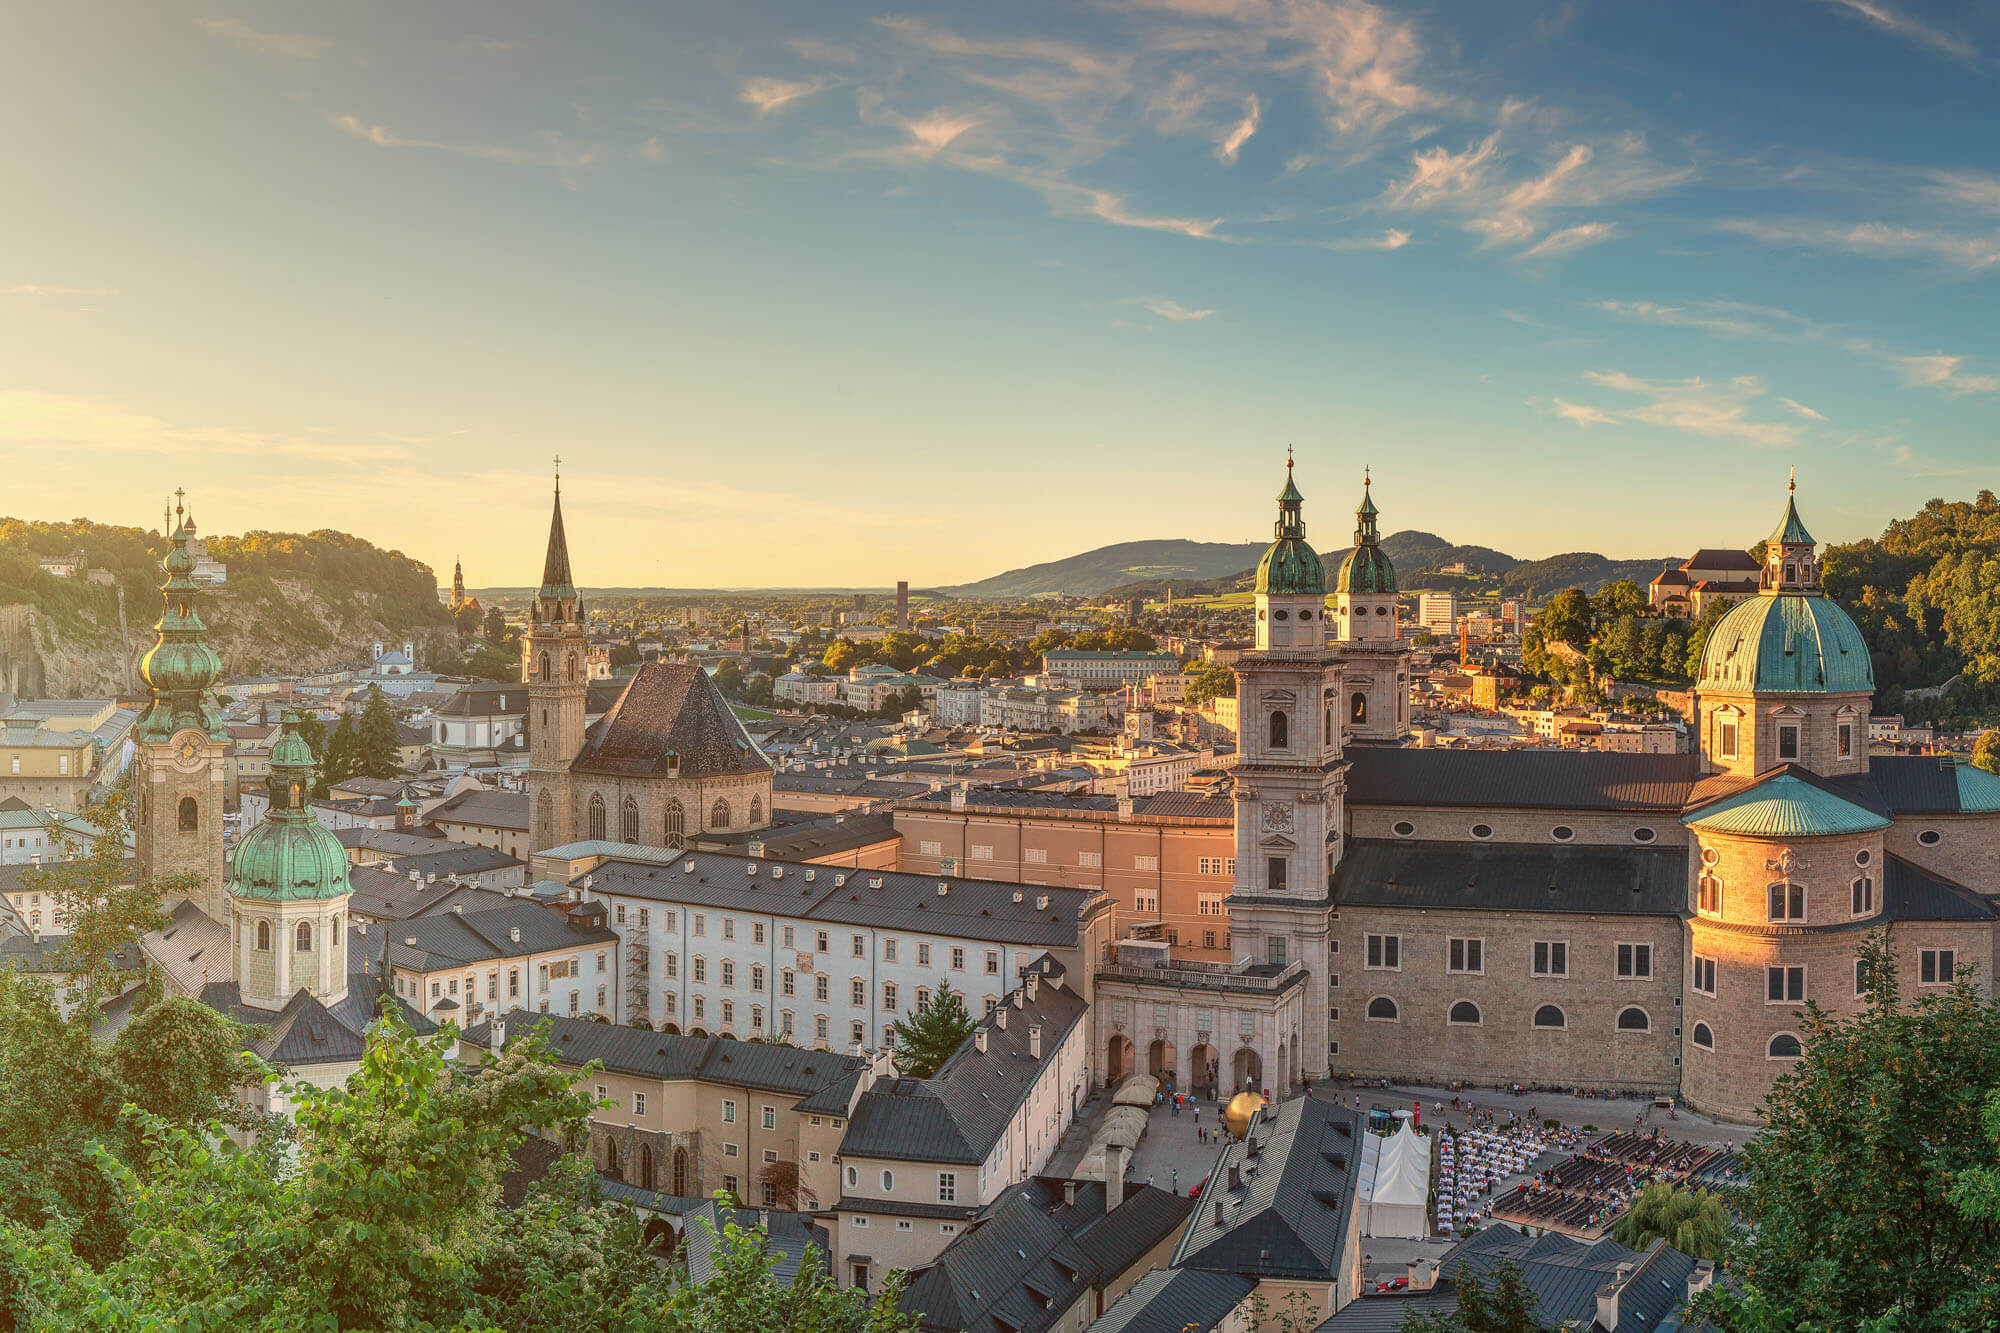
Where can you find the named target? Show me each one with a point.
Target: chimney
(1000, 1017)
(513, 935)
(498, 1041)
(1701, 1278)
(1069, 1192)
(1235, 1177)
(979, 1041)
(1608, 1294)
(958, 798)
(1034, 986)
(1116, 1155)
(1124, 807)
(1422, 1274)
(1034, 1041)
(764, 1220)
(1041, 902)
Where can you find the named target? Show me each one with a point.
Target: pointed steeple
(1364, 516)
(1291, 524)
(181, 667)
(1792, 532)
(556, 580)
(1789, 564)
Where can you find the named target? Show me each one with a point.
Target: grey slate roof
(628, 1050)
(1513, 877)
(385, 895)
(972, 908)
(670, 709)
(1288, 1216)
(1912, 893)
(17, 878)
(1564, 1274)
(824, 837)
(1916, 784)
(455, 858)
(449, 939)
(486, 701)
(1175, 1300)
(489, 809)
(390, 842)
(1521, 779)
(959, 1113)
(812, 784)
(794, 1240)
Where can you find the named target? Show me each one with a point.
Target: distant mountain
(1537, 579)
(1098, 571)
(1415, 552)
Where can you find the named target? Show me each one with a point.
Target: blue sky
(840, 294)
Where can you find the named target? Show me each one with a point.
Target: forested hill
(293, 601)
(1926, 593)
(1534, 580)
(1094, 572)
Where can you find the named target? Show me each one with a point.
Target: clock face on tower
(189, 746)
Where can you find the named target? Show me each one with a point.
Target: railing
(1203, 976)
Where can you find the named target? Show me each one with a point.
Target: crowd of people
(1584, 1195)
(1472, 1165)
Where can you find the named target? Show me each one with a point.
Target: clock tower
(177, 766)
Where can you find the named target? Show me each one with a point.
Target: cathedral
(668, 765)
(1651, 923)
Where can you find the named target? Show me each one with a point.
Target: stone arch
(718, 814)
(1704, 1036)
(1383, 1009)
(756, 811)
(1784, 1046)
(1357, 708)
(1551, 1016)
(1247, 1070)
(545, 817)
(646, 1181)
(1160, 1061)
(1202, 1072)
(1464, 1013)
(302, 938)
(611, 1158)
(628, 820)
(543, 672)
(190, 815)
(1117, 1059)
(1634, 1019)
(675, 824)
(264, 936)
(680, 1173)
(595, 822)
(1283, 1082)
(1281, 730)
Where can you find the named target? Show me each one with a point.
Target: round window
(1280, 615)
(1862, 857)
(1643, 834)
(1709, 856)
(1482, 830)
(1305, 615)
(1562, 833)
(1930, 837)
(1381, 610)
(1403, 828)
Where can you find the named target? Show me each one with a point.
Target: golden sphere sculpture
(1242, 1109)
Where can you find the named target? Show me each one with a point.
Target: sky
(836, 294)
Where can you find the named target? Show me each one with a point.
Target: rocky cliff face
(261, 626)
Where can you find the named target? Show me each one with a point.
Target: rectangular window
(729, 972)
(1784, 985)
(1708, 896)
(700, 924)
(1145, 863)
(889, 950)
(1036, 856)
(947, 1187)
(889, 997)
(1787, 901)
(790, 937)
(701, 969)
(819, 1026)
(819, 941)
(728, 1112)
(1935, 966)
(992, 962)
(1864, 896)
(1468, 955)
(1145, 903)
(860, 947)
(770, 1117)
(1090, 860)
(645, 919)
(981, 852)
(600, 960)
(575, 1003)
(1861, 976)
(1274, 950)
(857, 992)
(1551, 958)
(856, 1034)
(1208, 939)
(1274, 873)
(618, 914)
(1845, 734)
(757, 932)
(1635, 962)
(927, 847)
(1704, 976)
(673, 965)
(1385, 952)
(1725, 743)
(1208, 904)
(923, 954)
(729, 928)
(819, 988)
(1788, 742)
(957, 959)
(513, 983)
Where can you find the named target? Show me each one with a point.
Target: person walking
(1177, 1180)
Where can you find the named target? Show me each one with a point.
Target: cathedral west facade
(1651, 923)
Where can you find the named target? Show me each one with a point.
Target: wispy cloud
(1731, 319)
(33, 419)
(1808, 413)
(1582, 414)
(1877, 240)
(285, 45)
(555, 152)
(1391, 238)
(1903, 24)
(47, 289)
(768, 94)
(1174, 310)
(936, 131)
(1233, 142)
(831, 53)
(1721, 410)
(1571, 239)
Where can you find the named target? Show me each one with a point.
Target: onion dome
(1290, 567)
(290, 856)
(180, 668)
(1791, 638)
(1367, 568)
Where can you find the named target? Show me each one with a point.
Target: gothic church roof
(670, 710)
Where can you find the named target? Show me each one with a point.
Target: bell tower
(555, 665)
(178, 744)
(1290, 778)
(1375, 703)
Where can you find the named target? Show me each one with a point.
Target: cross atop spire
(1792, 483)
(558, 476)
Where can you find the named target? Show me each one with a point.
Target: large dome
(1790, 643)
(1366, 570)
(1290, 567)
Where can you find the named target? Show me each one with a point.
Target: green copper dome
(1786, 643)
(291, 856)
(1785, 807)
(180, 667)
(1290, 567)
(1367, 568)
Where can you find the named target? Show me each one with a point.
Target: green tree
(1850, 1196)
(1566, 619)
(729, 678)
(1619, 598)
(100, 903)
(926, 1039)
(1209, 680)
(179, 1059)
(342, 756)
(1423, 638)
(377, 752)
(1986, 751)
(1505, 1306)
(466, 619)
(1692, 1221)
(495, 627)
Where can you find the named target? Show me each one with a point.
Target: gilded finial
(558, 474)
(1792, 484)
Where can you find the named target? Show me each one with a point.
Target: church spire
(180, 667)
(556, 580)
(1364, 516)
(1290, 525)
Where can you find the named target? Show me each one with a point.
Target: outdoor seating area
(1473, 1164)
(1583, 1195)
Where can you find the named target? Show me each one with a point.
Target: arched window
(646, 1166)
(756, 811)
(1704, 1036)
(190, 815)
(628, 821)
(1281, 731)
(597, 817)
(1326, 732)
(1549, 1016)
(545, 817)
(264, 936)
(718, 815)
(544, 672)
(569, 666)
(676, 824)
(1464, 1012)
(1357, 708)
(1382, 1008)
(611, 1159)
(681, 1172)
(1634, 1019)
(1785, 1046)
(303, 937)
